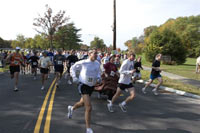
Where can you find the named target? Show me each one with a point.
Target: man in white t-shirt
(125, 83)
(198, 65)
(89, 76)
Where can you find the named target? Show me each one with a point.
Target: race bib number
(16, 62)
(112, 73)
(59, 62)
(34, 63)
(90, 80)
(44, 64)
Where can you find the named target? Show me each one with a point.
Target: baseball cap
(18, 48)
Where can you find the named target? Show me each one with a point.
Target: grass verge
(173, 83)
(186, 70)
(5, 69)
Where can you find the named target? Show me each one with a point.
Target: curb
(182, 93)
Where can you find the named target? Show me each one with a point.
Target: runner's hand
(99, 80)
(75, 80)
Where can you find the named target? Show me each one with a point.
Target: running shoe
(89, 130)
(69, 82)
(144, 90)
(70, 111)
(42, 88)
(155, 92)
(110, 108)
(123, 108)
(15, 89)
(34, 78)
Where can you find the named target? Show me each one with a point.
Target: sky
(94, 17)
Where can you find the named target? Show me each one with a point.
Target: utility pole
(114, 26)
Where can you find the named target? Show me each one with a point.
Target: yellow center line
(40, 117)
(50, 108)
(48, 117)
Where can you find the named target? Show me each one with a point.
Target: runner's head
(72, 52)
(131, 56)
(59, 51)
(112, 59)
(93, 55)
(158, 57)
(17, 49)
(44, 53)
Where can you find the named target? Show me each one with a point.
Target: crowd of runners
(92, 70)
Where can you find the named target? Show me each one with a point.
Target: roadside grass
(5, 69)
(173, 83)
(186, 70)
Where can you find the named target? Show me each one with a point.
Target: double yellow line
(41, 114)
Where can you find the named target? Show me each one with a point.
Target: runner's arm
(123, 69)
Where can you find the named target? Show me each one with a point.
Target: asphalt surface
(166, 113)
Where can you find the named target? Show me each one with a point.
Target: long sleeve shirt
(126, 72)
(89, 71)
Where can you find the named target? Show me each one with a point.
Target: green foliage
(187, 28)
(166, 43)
(5, 43)
(67, 37)
(97, 43)
(136, 44)
(20, 41)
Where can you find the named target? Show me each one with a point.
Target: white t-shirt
(198, 60)
(89, 71)
(105, 59)
(44, 62)
(125, 72)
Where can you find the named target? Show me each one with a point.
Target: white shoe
(123, 108)
(70, 111)
(109, 101)
(89, 130)
(110, 109)
(143, 90)
(155, 92)
(69, 82)
(42, 88)
(15, 89)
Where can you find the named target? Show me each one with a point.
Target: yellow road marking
(48, 117)
(40, 117)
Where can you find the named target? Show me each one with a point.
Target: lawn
(186, 70)
(173, 84)
(4, 69)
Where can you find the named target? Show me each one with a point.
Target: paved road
(19, 111)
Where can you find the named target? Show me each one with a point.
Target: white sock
(123, 103)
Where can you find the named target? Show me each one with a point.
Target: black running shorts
(85, 89)
(44, 70)
(59, 68)
(14, 69)
(124, 86)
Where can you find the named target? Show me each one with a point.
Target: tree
(136, 44)
(49, 24)
(166, 43)
(97, 43)
(67, 37)
(30, 43)
(41, 41)
(20, 41)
